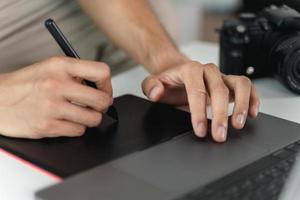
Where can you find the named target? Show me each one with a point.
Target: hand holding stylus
(69, 51)
(39, 99)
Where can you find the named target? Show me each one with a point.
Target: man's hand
(197, 85)
(46, 100)
(133, 26)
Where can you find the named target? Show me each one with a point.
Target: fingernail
(201, 130)
(222, 133)
(154, 92)
(240, 119)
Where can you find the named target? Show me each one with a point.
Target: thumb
(153, 88)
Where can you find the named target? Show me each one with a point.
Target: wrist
(166, 60)
(163, 57)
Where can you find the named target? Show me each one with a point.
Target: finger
(97, 72)
(153, 88)
(87, 96)
(173, 91)
(174, 96)
(79, 114)
(219, 95)
(106, 86)
(254, 103)
(66, 129)
(242, 88)
(196, 93)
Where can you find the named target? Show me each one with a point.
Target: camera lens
(286, 60)
(290, 71)
(297, 72)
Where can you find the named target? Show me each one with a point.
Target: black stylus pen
(70, 52)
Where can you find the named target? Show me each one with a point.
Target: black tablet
(141, 124)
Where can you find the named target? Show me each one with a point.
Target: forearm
(132, 25)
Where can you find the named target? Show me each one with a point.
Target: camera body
(263, 45)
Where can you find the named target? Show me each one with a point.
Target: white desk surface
(19, 181)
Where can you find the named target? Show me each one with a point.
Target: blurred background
(189, 20)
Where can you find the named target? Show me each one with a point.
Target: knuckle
(105, 71)
(196, 93)
(191, 68)
(244, 80)
(60, 63)
(211, 66)
(50, 84)
(57, 60)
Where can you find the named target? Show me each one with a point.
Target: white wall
(189, 19)
(180, 17)
(183, 17)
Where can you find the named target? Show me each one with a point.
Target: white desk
(19, 181)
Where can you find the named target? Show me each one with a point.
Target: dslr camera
(264, 44)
